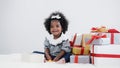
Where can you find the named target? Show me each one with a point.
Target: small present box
(76, 40)
(79, 59)
(105, 55)
(85, 39)
(81, 50)
(113, 37)
(101, 41)
(101, 38)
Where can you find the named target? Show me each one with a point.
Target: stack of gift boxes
(98, 48)
(80, 51)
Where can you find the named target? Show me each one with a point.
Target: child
(57, 46)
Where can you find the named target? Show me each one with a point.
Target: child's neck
(57, 36)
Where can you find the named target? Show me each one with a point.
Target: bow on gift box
(113, 31)
(99, 29)
(94, 29)
(104, 29)
(97, 36)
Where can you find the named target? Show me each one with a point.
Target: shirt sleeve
(66, 46)
(46, 43)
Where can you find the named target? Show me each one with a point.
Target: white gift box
(77, 40)
(80, 59)
(113, 37)
(105, 55)
(102, 41)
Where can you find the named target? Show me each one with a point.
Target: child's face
(55, 28)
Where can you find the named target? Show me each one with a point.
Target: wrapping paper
(85, 39)
(101, 41)
(79, 59)
(81, 50)
(105, 55)
(76, 40)
(113, 37)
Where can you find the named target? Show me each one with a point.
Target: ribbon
(55, 16)
(76, 59)
(96, 37)
(91, 54)
(106, 55)
(72, 42)
(112, 38)
(81, 50)
(103, 55)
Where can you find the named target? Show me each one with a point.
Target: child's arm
(65, 48)
(59, 55)
(47, 54)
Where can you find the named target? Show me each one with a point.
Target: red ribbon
(82, 50)
(72, 42)
(76, 59)
(112, 38)
(96, 37)
(103, 55)
(106, 55)
(93, 56)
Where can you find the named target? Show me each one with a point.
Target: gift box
(93, 38)
(101, 41)
(76, 40)
(79, 59)
(101, 38)
(81, 50)
(86, 38)
(113, 37)
(105, 55)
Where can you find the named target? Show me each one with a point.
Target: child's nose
(55, 27)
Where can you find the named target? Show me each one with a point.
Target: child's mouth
(55, 31)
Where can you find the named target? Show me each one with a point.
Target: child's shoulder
(65, 37)
(48, 37)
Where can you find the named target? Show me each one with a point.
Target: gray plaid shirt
(55, 49)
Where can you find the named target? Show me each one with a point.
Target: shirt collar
(56, 41)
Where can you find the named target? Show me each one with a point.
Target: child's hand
(50, 61)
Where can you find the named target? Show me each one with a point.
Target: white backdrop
(21, 21)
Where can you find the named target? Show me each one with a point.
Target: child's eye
(57, 26)
(51, 26)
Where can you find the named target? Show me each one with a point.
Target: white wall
(21, 21)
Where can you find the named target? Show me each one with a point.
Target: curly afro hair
(63, 21)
